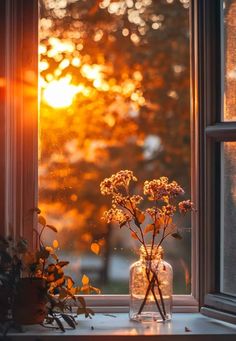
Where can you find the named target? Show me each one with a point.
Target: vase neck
(151, 253)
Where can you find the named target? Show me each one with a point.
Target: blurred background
(115, 94)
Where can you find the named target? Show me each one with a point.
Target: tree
(130, 62)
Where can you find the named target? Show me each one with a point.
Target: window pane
(228, 222)
(230, 61)
(114, 95)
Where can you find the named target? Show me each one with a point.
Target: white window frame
(18, 159)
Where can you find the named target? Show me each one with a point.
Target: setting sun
(60, 93)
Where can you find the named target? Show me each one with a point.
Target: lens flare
(60, 93)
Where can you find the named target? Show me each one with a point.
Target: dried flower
(161, 189)
(169, 210)
(125, 206)
(185, 206)
(115, 215)
(121, 179)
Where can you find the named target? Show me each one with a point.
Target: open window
(115, 94)
(214, 84)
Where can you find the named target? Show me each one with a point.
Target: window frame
(18, 147)
(208, 99)
(19, 117)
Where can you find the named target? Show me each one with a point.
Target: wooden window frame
(208, 98)
(18, 117)
(18, 147)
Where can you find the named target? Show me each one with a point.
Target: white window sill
(118, 327)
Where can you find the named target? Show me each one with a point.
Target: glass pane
(230, 61)
(228, 222)
(115, 94)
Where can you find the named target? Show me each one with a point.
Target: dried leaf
(70, 283)
(160, 223)
(148, 228)
(89, 312)
(62, 293)
(81, 301)
(85, 289)
(177, 235)
(55, 244)
(63, 263)
(96, 290)
(81, 311)
(42, 220)
(53, 228)
(95, 248)
(134, 235)
(85, 280)
(140, 216)
(49, 249)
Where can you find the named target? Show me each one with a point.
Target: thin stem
(151, 287)
(160, 294)
(157, 304)
(146, 296)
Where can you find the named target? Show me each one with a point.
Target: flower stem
(151, 288)
(160, 294)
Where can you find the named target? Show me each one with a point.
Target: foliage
(155, 221)
(131, 109)
(17, 261)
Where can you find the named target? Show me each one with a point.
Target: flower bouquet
(151, 277)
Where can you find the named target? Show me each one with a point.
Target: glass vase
(151, 287)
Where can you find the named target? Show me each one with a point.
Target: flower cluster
(168, 210)
(111, 185)
(125, 207)
(186, 206)
(162, 189)
(115, 214)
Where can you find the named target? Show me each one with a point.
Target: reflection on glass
(228, 222)
(230, 61)
(114, 78)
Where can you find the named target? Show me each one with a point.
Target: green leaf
(177, 235)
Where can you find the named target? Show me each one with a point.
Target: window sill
(118, 327)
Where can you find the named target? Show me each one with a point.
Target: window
(217, 135)
(213, 141)
(115, 95)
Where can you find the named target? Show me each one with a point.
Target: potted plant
(150, 277)
(40, 292)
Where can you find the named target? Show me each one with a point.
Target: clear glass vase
(151, 286)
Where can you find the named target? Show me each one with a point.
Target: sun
(60, 93)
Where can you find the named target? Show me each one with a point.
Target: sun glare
(60, 93)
